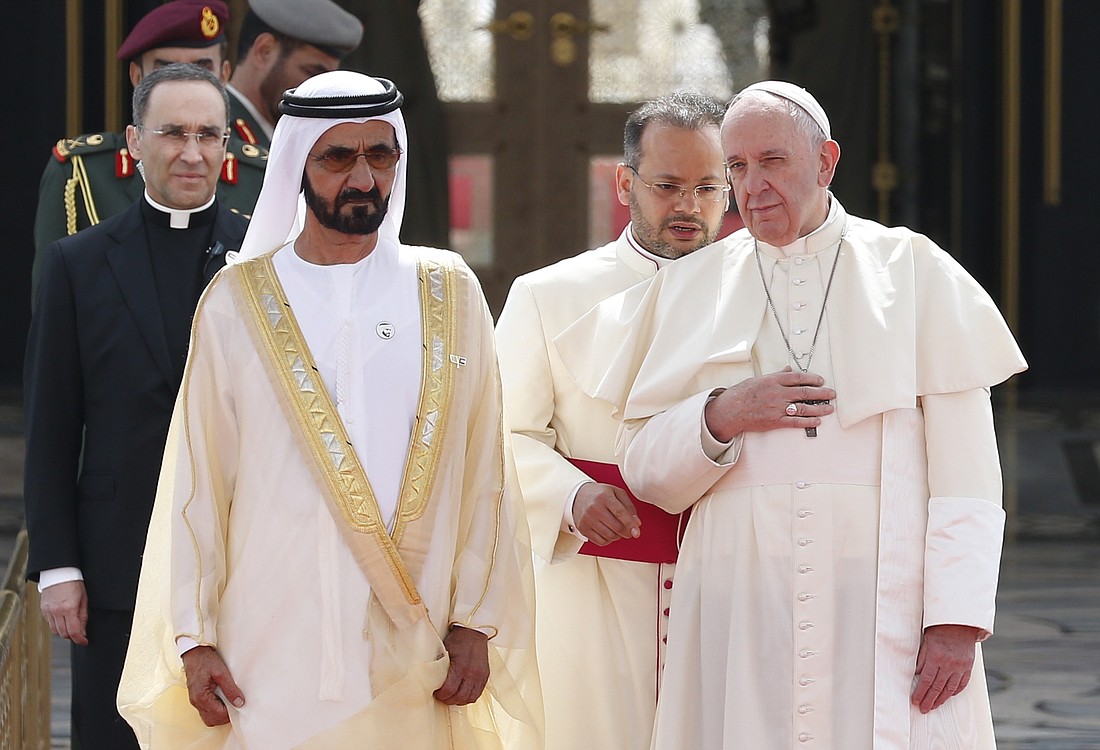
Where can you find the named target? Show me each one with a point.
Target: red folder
(661, 531)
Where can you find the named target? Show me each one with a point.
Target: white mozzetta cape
(245, 552)
(914, 320)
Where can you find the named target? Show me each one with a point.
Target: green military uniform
(244, 125)
(92, 177)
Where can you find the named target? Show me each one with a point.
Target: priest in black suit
(105, 355)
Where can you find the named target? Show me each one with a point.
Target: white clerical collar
(801, 245)
(656, 259)
(267, 127)
(178, 218)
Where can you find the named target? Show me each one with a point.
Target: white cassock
(600, 622)
(811, 565)
(246, 554)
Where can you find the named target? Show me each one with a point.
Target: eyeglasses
(344, 159)
(208, 139)
(670, 191)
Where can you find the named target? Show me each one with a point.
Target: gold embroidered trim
(439, 323)
(324, 431)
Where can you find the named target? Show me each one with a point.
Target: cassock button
(800, 485)
(798, 331)
(666, 612)
(799, 282)
(806, 653)
(805, 542)
(805, 569)
(805, 709)
(668, 583)
(806, 681)
(805, 737)
(664, 639)
(798, 305)
(805, 597)
(805, 625)
(803, 513)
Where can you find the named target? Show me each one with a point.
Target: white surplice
(601, 622)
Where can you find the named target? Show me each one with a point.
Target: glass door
(536, 93)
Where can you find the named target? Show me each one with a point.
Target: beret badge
(209, 23)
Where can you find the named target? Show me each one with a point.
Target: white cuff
(715, 450)
(486, 630)
(185, 643)
(712, 448)
(568, 523)
(54, 576)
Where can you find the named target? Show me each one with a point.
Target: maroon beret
(181, 23)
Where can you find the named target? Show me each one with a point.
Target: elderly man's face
(179, 172)
(779, 179)
(671, 226)
(349, 175)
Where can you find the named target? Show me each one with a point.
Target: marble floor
(1043, 662)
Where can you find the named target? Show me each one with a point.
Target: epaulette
(244, 131)
(88, 143)
(94, 143)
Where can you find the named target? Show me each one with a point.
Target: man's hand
(760, 404)
(604, 514)
(206, 672)
(944, 662)
(469, 669)
(65, 608)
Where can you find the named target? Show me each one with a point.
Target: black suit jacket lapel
(133, 270)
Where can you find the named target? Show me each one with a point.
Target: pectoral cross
(812, 431)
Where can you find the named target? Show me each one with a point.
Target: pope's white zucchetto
(796, 94)
(280, 208)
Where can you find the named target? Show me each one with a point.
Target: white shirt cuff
(568, 523)
(185, 644)
(54, 576)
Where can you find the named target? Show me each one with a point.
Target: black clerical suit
(105, 356)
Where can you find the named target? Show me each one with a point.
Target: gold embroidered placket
(439, 323)
(326, 435)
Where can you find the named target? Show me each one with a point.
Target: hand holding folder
(661, 531)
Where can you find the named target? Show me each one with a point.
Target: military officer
(281, 43)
